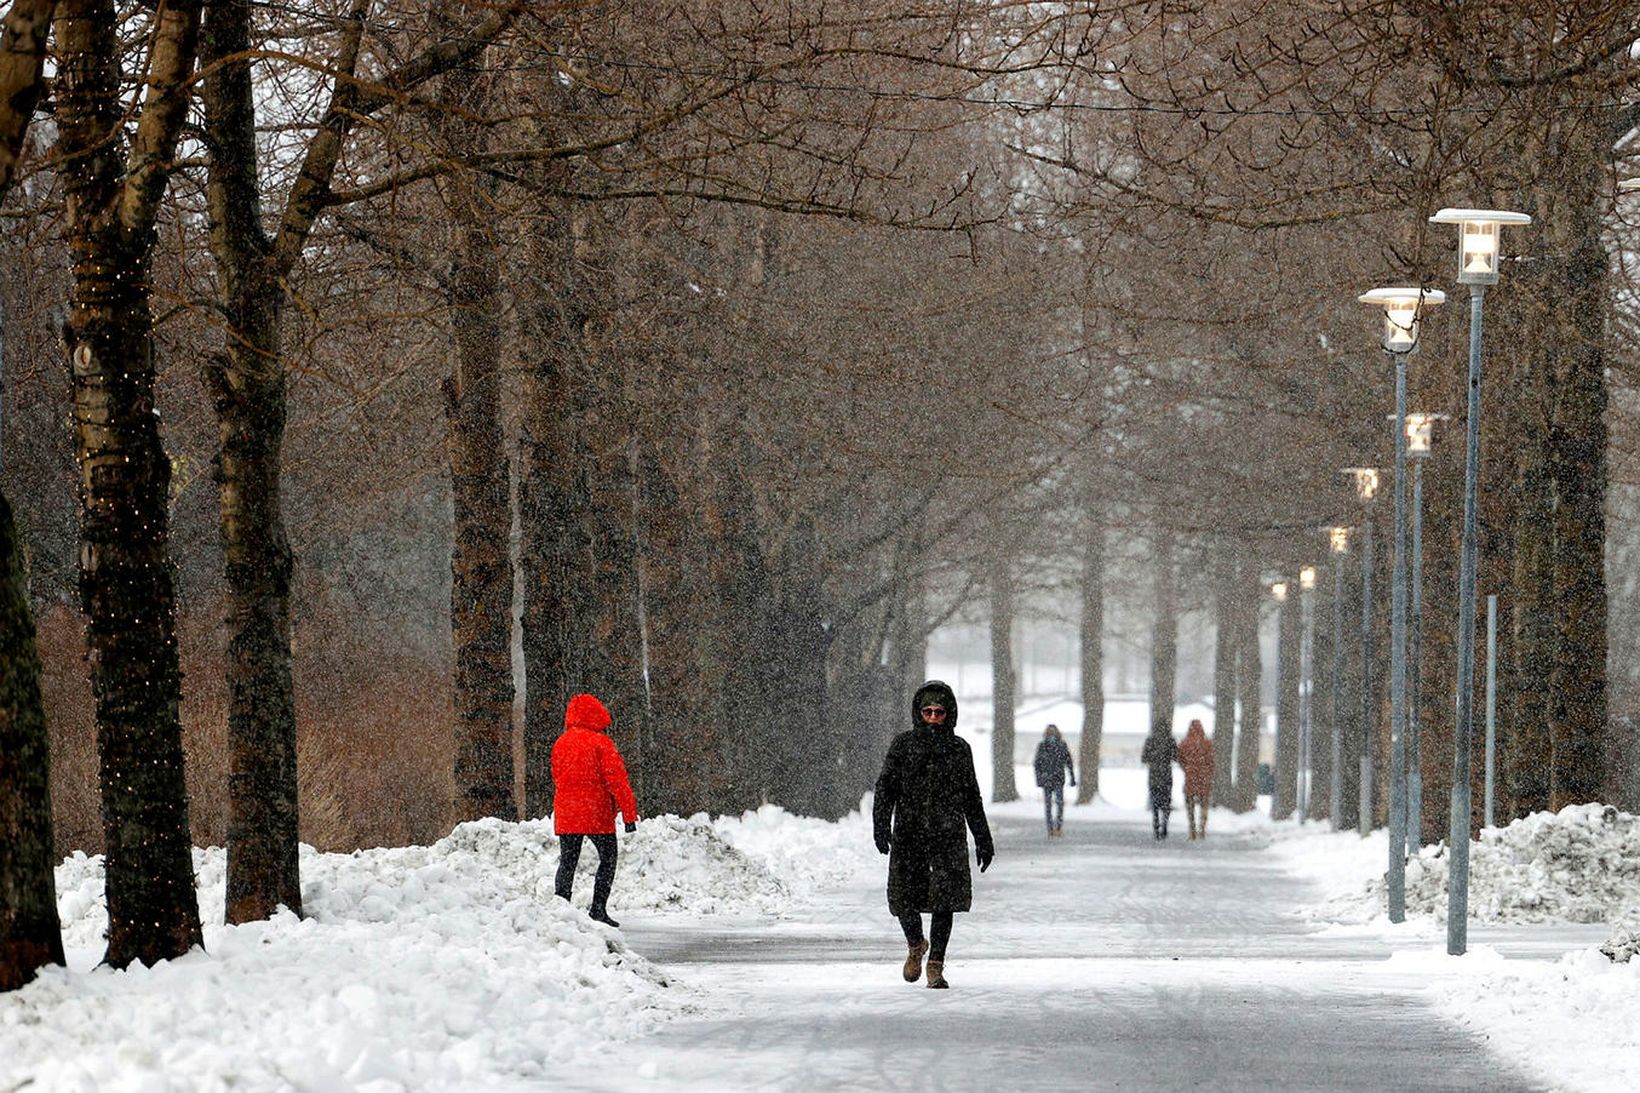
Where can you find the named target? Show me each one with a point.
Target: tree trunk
(30, 935)
(1321, 697)
(1250, 682)
(1285, 798)
(1577, 438)
(126, 588)
(1002, 679)
(1164, 643)
(246, 384)
(548, 499)
(481, 577)
(1224, 676)
(480, 561)
(1093, 660)
(1528, 758)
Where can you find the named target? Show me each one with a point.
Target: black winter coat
(1053, 759)
(926, 796)
(1159, 754)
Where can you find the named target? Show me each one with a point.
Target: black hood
(940, 692)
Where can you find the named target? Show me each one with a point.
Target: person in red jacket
(589, 783)
(1196, 757)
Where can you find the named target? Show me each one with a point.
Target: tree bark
(1285, 797)
(1002, 678)
(1577, 438)
(1224, 676)
(481, 577)
(246, 384)
(30, 935)
(126, 584)
(1528, 756)
(1250, 682)
(1093, 660)
(1164, 642)
(23, 34)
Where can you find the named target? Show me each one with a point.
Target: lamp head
(1421, 433)
(1366, 482)
(1306, 578)
(1478, 241)
(1278, 590)
(1338, 537)
(1402, 310)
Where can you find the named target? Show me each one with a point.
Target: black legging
(939, 932)
(569, 855)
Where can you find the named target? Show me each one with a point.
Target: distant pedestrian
(1159, 754)
(1196, 757)
(926, 795)
(1053, 762)
(589, 783)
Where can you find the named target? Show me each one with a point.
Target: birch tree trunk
(30, 934)
(126, 584)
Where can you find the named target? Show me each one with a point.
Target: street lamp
(1477, 268)
(1338, 539)
(1366, 490)
(1420, 435)
(1306, 683)
(1402, 310)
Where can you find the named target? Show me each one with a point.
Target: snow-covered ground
(454, 966)
(451, 966)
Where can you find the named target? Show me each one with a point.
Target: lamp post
(1477, 268)
(1278, 592)
(1420, 432)
(1306, 683)
(1403, 309)
(1366, 490)
(1338, 539)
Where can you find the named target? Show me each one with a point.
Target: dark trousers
(939, 932)
(1053, 806)
(569, 855)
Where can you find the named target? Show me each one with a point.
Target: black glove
(631, 826)
(1073, 779)
(982, 855)
(883, 843)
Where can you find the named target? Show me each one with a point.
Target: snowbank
(1581, 864)
(446, 966)
(449, 966)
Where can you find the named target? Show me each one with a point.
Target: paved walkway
(1103, 960)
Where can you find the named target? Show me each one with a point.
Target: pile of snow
(449, 966)
(1623, 944)
(1581, 864)
(807, 854)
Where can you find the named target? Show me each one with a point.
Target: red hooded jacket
(588, 777)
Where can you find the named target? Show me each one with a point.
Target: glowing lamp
(1402, 307)
(1339, 538)
(1478, 241)
(1306, 578)
(1366, 481)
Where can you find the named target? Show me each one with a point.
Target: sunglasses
(933, 712)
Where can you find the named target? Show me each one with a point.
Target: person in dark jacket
(927, 800)
(1159, 754)
(589, 782)
(1053, 762)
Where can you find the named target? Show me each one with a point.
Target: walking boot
(915, 952)
(936, 975)
(599, 914)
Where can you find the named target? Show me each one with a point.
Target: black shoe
(598, 914)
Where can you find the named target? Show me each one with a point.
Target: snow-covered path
(1102, 960)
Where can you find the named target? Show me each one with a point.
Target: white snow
(451, 966)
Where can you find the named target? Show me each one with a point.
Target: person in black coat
(1052, 763)
(1159, 754)
(927, 800)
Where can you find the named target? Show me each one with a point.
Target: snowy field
(454, 967)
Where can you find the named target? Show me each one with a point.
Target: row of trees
(710, 358)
